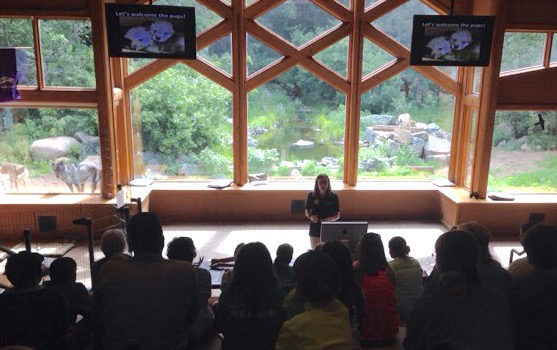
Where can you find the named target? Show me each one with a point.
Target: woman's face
(323, 184)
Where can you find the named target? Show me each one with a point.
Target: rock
(329, 161)
(502, 143)
(420, 125)
(229, 120)
(303, 144)
(418, 145)
(525, 147)
(404, 120)
(53, 147)
(295, 173)
(393, 146)
(436, 145)
(403, 136)
(421, 134)
(439, 134)
(370, 135)
(258, 130)
(432, 127)
(252, 142)
(523, 139)
(84, 138)
(382, 119)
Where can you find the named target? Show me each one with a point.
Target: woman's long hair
(457, 256)
(483, 236)
(316, 186)
(372, 254)
(253, 278)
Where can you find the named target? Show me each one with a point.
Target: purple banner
(8, 75)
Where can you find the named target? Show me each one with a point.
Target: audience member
(30, 314)
(63, 279)
(460, 312)
(227, 275)
(324, 322)
(381, 320)
(146, 298)
(249, 312)
(408, 276)
(113, 243)
(284, 273)
(521, 267)
(534, 293)
(182, 248)
(350, 293)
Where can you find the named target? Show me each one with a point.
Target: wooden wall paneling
(261, 7)
(531, 90)
(239, 94)
(212, 72)
(488, 99)
(531, 15)
(38, 53)
(104, 99)
(353, 97)
(122, 127)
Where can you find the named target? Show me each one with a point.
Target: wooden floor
(216, 240)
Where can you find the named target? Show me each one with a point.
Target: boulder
(503, 143)
(252, 142)
(303, 144)
(432, 127)
(84, 138)
(403, 136)
(420, 125)
(329, 161)
(418, 145)
(53, 147)
(525, 147)
(382, 119)
(370, 135)
(436, 145)
(421, 134)
(393, 146)
(258, 130)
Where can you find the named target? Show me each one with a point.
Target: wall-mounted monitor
(451, 40)
(347, 232)
(150, 31)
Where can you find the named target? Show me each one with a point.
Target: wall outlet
(297, 206)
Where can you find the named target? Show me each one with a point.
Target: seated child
(30, 314)
(324, 323)
(63, 279)
(408, 276)
(284, 273)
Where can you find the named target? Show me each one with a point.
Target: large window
(15, 32)
(49, 150)
(524, 157)
(182, 127)
(521, 50)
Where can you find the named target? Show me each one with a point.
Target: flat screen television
(150, 31)
(451, 40)
(347, 232)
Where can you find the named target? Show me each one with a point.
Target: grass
(542, 179)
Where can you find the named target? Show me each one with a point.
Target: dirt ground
(514, 162)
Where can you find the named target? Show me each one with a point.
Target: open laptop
(347, 232)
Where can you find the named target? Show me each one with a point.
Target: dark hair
(372, 254)
(181, 248)
(525, 227)
(253, 278)
(458, 254)
(483, 236)
(145, 233)
(284, 254)
(317, 276)
(24, 269)
(398, 247)
(63, 270)
(237, 249)
(316, 186)
(540, 243)
(341, 256)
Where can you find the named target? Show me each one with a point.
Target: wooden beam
(535, 88)
(459, 142)
(147, 72)
(441, 78)
(353, 98)
(385, 41)
(46, 9)
(381, 8)
(334, 9)
(239, 95)
(488, 98)
(547, 50)
(213, 34)
(537, 15)
(122, 126)
(54, 98)
(212, 72)
(261, 7)
(268, 72)
(105, 106)
(38, 53)
(382, 74)
(472, 100)
(218, 7)
(325, 39)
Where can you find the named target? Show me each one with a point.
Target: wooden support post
(38, 54)
(104, 100)
(488, 98)
(122, 123)
(353, 98)
(240, 98)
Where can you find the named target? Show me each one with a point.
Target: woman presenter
(321, 205)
